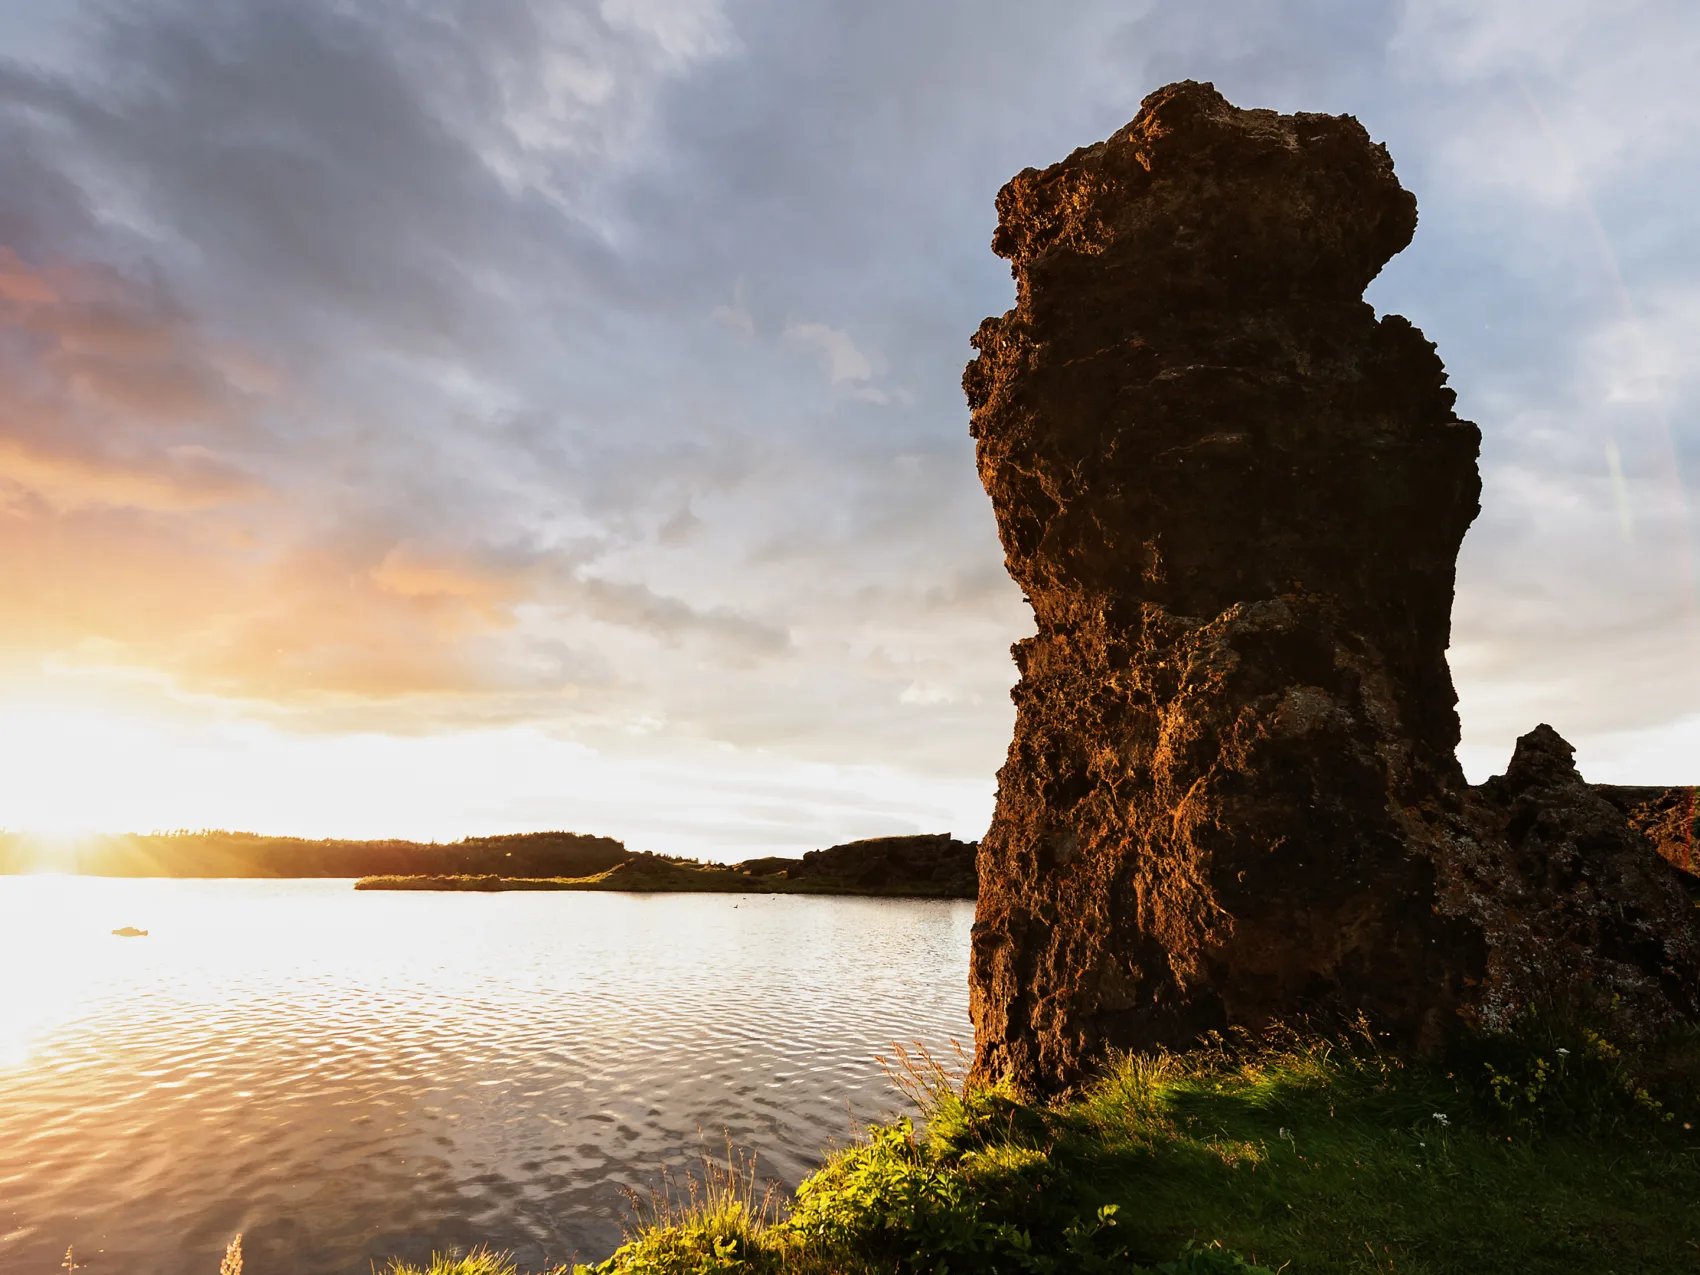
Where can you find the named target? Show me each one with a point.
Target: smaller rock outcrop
(1575, 901)
(936, 860)
(1666, 817)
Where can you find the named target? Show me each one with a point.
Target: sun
(48, 853)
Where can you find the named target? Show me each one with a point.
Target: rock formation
(935, 859)
(1234, 499)
(927, 863)
(1666, 817)
(1567, 887)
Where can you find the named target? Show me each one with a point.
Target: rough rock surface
(1665, 816)
(1234, 499)
(1567, 888)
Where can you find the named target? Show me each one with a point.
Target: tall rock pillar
(1234, 498)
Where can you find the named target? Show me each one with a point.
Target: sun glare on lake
(47, 929)
(346, 1077)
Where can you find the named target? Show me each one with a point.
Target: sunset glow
(386, 453)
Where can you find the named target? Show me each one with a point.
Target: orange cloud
(134, 540)
(182, 479)
(21, 285)
(408, 572)
(110, 395)
(215, 606)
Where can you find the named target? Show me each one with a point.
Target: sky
(441, 417)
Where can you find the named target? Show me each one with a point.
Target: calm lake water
(347, 1077)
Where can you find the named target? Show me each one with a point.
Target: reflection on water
(349, 1076)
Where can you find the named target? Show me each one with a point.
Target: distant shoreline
(919, 866)
(216, 853)
(713, 879)
(935, 867)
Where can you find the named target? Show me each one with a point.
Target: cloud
(405, 368)
(679, 528)
(173, 482)
(1646, 356)
(920, 693)
(1554, 102)
(736, 316)
(110, 395)
(670, 619)
(407, 572)
(684, 31)
(846, 363)
(550, 95)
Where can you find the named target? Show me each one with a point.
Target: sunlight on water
(53, 961)
(350, 1076)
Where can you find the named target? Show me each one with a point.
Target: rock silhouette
(1234, 498)
(935, 858)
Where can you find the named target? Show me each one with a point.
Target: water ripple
(346, 1077)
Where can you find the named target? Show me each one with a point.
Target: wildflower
(1439, 1117)
(232, 1263)
(1562, 1052)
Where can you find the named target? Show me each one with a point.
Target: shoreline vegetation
(892, 867)
(1546, 1150)
(924, 866)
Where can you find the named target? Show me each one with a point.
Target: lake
(347, 1077)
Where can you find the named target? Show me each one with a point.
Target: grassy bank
(1546, 1153)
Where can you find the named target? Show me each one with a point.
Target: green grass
(481, 1262)
(1548, 1152)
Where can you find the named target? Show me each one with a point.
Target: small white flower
(1563, 1053)
(1287, 1134)
(1440, 1118)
